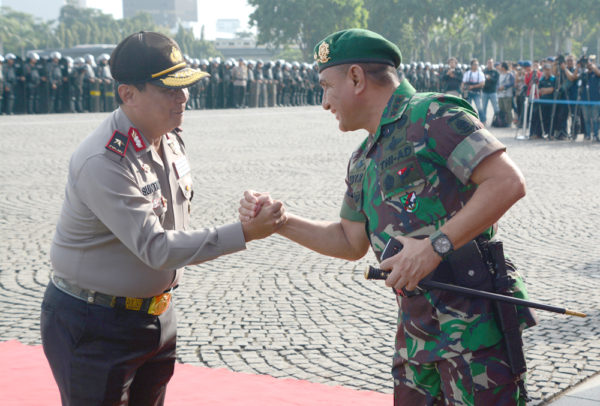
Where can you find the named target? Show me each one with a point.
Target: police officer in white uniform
(108, 322)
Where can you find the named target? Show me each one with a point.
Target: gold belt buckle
(159, 304)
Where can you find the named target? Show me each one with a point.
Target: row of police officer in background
(248, 83)
(55, 84)
(58, 84)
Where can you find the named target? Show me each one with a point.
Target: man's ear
(358, 77)
(126, 93)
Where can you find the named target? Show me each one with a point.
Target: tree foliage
(436, 29)
(20, 32)
(304, 22)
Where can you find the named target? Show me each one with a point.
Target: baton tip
(574, 313)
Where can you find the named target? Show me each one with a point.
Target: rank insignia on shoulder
(138, 141)
(118, 143)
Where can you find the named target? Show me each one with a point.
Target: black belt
(155, 305)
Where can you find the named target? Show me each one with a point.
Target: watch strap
(436, 236)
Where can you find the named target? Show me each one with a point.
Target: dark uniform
(32, 78)
(10, 83)
(107, 98)
(546, 109)
(44, 87)
(1, 82)
(214, 84)
(55, 78)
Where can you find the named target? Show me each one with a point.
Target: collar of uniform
(139, 142)
(395, 106)
(125, 125)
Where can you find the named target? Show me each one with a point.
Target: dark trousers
(104, 356)
(239, 96)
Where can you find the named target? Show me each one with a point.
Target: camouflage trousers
(479, 378)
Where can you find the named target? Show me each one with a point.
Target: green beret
(356, 46)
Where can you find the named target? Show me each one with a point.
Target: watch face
(442, 245)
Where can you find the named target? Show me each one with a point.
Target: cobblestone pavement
(278, 308)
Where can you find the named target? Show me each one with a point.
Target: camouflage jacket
(408, 179)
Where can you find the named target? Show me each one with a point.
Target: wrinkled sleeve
(350, 210)
(112, 194)
(459, 141)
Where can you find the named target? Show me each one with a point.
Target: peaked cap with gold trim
(151, 57)
(356, 46)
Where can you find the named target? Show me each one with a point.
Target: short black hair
(139, 86)
(379, 73)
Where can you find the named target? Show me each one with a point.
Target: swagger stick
(376, 273)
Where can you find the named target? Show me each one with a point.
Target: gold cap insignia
(175, 55)
(323, 53)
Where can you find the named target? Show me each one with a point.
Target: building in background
(243, 48)
(167, 13)
(228, 26)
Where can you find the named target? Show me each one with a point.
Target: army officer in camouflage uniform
(123, 237)
(430, 175)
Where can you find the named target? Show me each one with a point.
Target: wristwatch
(441, 244)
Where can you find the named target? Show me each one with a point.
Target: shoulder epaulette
(177, 132)
(118, 143)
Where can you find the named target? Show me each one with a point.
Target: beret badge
(323, 53)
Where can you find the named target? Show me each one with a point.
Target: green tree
(195, 48)
(304, 22)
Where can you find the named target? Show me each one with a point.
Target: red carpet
(27, 381)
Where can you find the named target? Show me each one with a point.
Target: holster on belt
(480, 264)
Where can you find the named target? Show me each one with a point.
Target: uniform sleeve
(350, 210)
(349, 213)
(459, 141)
(112, 194)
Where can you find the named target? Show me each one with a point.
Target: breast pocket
(401, 178)
(406, 192)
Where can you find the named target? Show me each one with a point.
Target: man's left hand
(416, 260)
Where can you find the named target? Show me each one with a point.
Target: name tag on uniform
(150, 188)
(182, 167)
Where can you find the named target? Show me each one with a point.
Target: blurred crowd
(58, 84)
(562, 93)
(554, 98)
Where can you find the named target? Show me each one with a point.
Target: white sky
(209, 11)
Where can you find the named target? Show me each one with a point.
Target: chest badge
(404, 171)
(409, 202)
(174, 146)
(146, 168)
(182, 167)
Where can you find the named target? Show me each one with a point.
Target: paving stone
(280, 309)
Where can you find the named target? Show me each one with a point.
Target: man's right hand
(251, 204)
(260, 215)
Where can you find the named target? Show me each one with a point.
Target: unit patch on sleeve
(118, 143)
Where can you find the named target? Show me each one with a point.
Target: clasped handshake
(260, 215)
